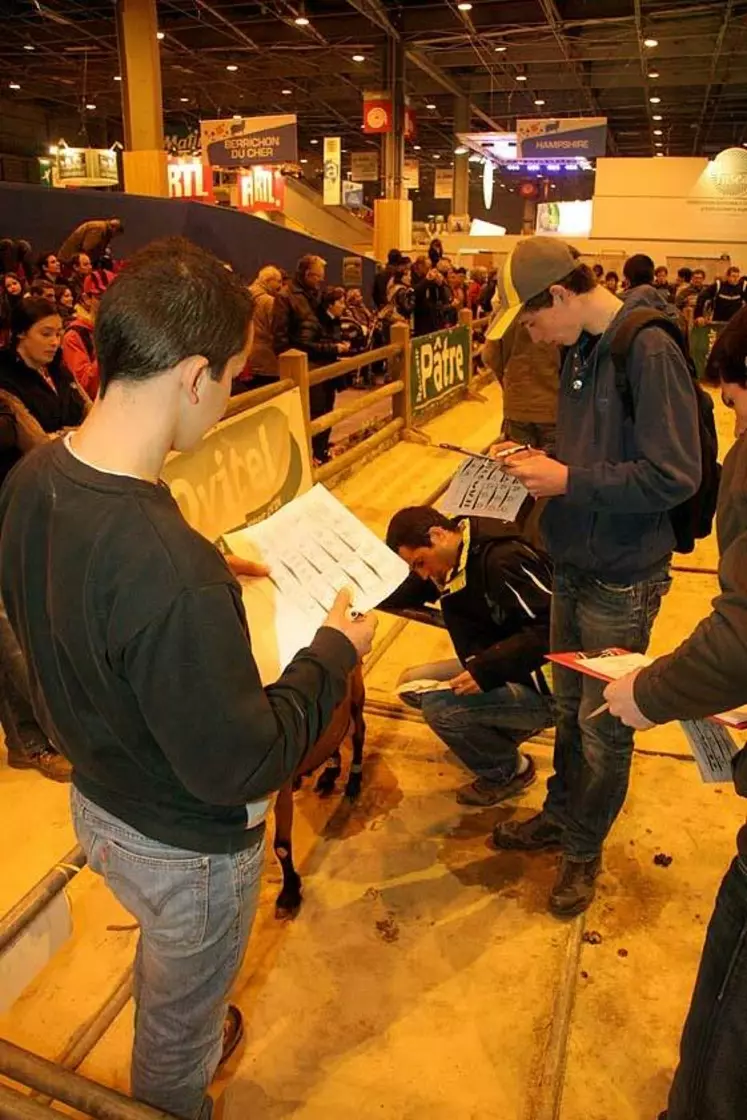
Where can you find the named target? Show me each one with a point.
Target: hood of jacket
(646, 295)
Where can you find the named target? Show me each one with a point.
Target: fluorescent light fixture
(359, 58)
(654, 100)
(461, 150)
(521, 78)
(287, 92)
(650, 42)
(232, 67)
(660, 155)
(304, 161)
(539, 101)
(437, 156)
(117, 77)
(13, 85)
(90, 105)
(658, 132)
(430, 105)
(464, 7)
(184, 99)
(474, 158)
(238, 117)
(657, 117)
(160, 35)
(653, 73)
(416, 147)
(500, 50)
(658, 144)
(313, 141)
(302, 21)
(28, 47)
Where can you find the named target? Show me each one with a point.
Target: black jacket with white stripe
(495, 605)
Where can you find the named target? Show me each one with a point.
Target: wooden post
(402, 403)
(294, 364)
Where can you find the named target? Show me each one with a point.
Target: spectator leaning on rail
(707, 674)
(614, 480)
(140, 660)
(494, 593)
(92, 238)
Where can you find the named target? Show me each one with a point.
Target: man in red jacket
(78, 351)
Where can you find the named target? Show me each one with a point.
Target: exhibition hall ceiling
(685, 95)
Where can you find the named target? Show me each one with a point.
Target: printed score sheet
(481, 489)
(314, 546)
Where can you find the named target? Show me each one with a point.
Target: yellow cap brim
(503, 322)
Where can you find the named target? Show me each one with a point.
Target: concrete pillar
(460, 195)
(393, 212)
(144, 159)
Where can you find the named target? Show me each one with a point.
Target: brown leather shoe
(535, 835)
(575, 887)
(47, 761)
(233, 1032)
(484, 793)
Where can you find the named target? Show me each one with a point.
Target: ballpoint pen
(489, 458)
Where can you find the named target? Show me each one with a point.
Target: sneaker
(485, 793)
(575, 887)
(233, 1032)
(535, 835)
(47, 761)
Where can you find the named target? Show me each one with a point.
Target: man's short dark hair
(612, 275)
(639, 269)
(580, 281)
(410, 528)
(699, 272)
(173, 300)
(685, 274)
(394, 256)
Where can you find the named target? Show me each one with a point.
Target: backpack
(692, 520)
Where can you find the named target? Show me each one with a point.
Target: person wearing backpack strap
(616, 475)
(706, 675)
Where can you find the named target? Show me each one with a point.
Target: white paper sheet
(417, 688)
(616, 666)
(481, 489)
(314, 546)
(713, 749)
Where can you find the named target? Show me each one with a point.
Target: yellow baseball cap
(531, 268)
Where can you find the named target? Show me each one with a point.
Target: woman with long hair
(11, 293)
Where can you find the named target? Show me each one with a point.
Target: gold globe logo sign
(728, 173)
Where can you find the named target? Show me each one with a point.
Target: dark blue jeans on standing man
(711, 1080)
(593, 756)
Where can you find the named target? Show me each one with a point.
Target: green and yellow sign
(440, 363)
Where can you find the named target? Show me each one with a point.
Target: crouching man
(493, 590)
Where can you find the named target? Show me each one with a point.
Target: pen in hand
(598, 711)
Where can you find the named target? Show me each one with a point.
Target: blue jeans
(711, 1079)
(593, 756)
(484, 731)
(195, 913)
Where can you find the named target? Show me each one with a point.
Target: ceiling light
(430, 105)
(464, 7)
(53, 149)
(660, 155)
(653, 73)
(359, 58)
(238, 117)
(13, 85)
(657, 117)
(28, 47)
(521, 78)
(658, 132)
(287, 92)
(461, 151)
(437, 156)
(184, 99)
(160, 35)
(650, 42)
(302, 21)
(117, 77)
(313, 141)
(231, 67)
(416, 147)
(654, 100)
(474, 158)
(304, 161)
(90, 105)
(539, 101)
(500, 50)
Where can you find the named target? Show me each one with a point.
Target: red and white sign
(190, 179)
(261, 189)
(411, 123)
(377, 112)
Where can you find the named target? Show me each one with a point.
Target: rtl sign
(261, 189)
(190, 179)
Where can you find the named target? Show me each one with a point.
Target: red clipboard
(577, 662)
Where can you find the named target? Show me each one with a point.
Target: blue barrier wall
(46, 216)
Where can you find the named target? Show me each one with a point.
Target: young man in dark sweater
(724, 298)
(611, 484)
(141, 666)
